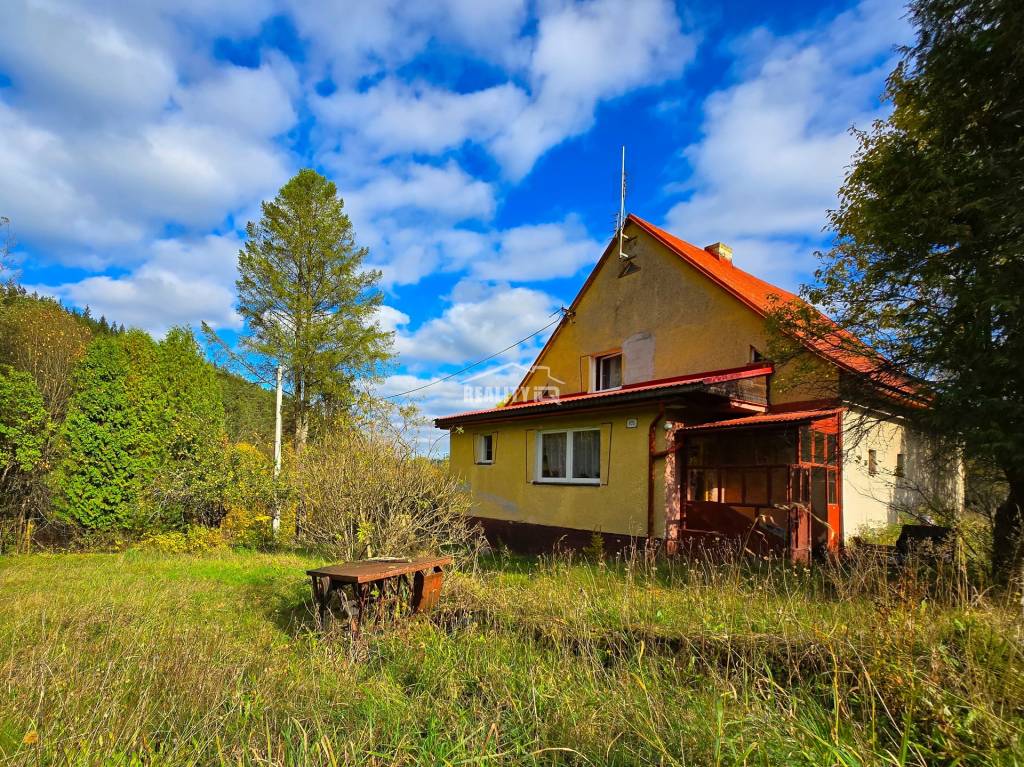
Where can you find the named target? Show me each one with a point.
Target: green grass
(142, 658)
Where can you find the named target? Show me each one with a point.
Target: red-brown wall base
(527, 538)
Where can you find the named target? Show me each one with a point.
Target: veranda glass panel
(756, 483)
(586, 454)
(552, 451)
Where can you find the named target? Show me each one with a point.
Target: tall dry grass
(140, 658)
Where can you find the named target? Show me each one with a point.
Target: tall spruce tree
(928, 260)
(307, 302)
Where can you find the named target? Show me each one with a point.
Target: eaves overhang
(720, 384)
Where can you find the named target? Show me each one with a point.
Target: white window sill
(551, 481)
(484, 463)
(610, 388)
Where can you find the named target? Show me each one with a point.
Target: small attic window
(609, 372)
(755, 354)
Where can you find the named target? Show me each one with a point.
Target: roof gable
(759, 296)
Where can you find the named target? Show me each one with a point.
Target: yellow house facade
(651, 414)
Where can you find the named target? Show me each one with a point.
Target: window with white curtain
(570, 456)
(485, 448)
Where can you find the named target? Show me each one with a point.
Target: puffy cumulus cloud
(74, 66)
(251, 101)
(77, 190)
(528, 253)
(182, 282)
(586, 53)
(353, 40)
(394, 117)
(538, 252)
(390, 319)
(40, 195)
(479, 321)
(447, 192)
(582, 54)
(776, 143)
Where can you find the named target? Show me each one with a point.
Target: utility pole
(276, 522)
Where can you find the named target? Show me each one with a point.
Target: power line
(485, 359)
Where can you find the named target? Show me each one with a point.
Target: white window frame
(538, 477)
(478, 449)
(597, 370)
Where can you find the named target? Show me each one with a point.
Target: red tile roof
(624, 392)
(766, 418)
(763, 297)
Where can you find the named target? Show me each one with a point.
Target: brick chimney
(721, 251)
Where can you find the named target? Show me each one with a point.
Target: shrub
(193, 540)
(249, 499)
(365, 494)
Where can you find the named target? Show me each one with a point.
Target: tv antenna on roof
(623, 239)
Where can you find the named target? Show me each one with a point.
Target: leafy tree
(113, 433)
(41, 338)
(928, 261)
(23, 424)
(306, 300)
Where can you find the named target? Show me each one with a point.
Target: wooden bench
(355, 585)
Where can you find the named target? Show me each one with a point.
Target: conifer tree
(308, 302)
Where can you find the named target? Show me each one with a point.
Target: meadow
(148, 658)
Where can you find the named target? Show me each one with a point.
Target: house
(651, 413)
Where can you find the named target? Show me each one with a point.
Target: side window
(872, 463)
(485, 448)
(609, 372)
(571, 456)
(901, 465)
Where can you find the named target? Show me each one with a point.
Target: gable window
(872, 463)
(570, 456)
(609, 372)
(755, 355)
(901, 465)
(485, 448)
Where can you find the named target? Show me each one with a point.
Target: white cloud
(75, 66)
(182, 282)
(539, 252)
(250, 101)
(493, 317)
(583, 54)
(393, 117)
(586, 53)
(776, 144)
(446, 191)
(355, 40)
(390, 319)
(405, 254)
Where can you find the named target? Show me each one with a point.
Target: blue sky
(476, 145)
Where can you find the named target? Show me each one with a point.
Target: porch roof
(638, 392)
(765, 419)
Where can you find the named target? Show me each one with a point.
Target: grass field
(141, 658)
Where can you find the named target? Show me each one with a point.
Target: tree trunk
(1007, 551)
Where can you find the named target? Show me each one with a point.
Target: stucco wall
(668, 318)
(928, 480)
(505, 490)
